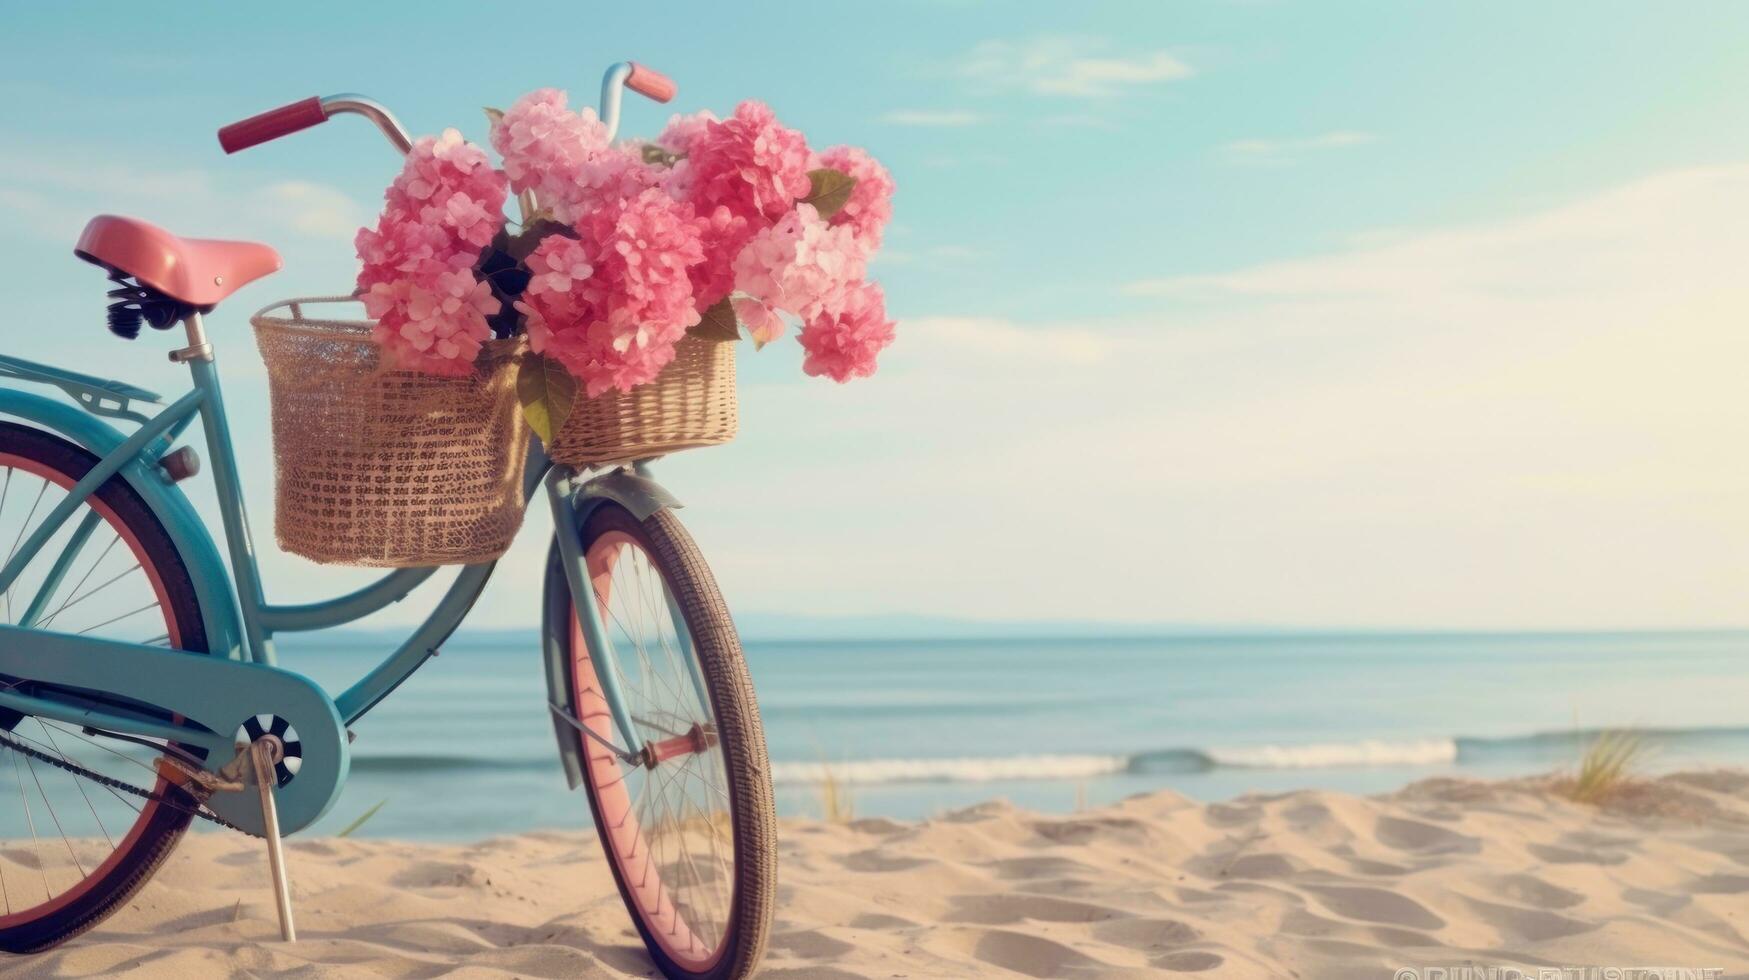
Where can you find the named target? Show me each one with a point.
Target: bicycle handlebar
(622, 75)
(272, 124)
(287, 119)
(650, 83)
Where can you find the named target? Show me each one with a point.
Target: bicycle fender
(638, 494)
(641, 496)
(212, 581)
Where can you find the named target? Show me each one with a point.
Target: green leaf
(547, 392)
(718, 322)
(493, 116)
(829, 190)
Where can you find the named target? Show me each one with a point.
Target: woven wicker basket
(388, 468)
(690, 404)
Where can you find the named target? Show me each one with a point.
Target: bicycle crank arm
(195, 699)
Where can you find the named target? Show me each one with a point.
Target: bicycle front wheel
(689, 831)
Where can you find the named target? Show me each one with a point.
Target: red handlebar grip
(651, 83)
(272, 124)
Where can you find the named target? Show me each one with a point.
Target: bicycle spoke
(117, 619)
(82, 580)
(106, 584)
(79, 582)
(680, 854)
(35, 853)
(52, 815)
(19, 539)
(80, 783)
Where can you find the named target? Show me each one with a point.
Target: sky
(1335, 315)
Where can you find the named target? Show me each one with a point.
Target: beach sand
(1306, 884)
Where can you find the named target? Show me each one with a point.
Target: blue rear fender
(212, 581)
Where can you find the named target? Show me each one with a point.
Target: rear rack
(96, 395)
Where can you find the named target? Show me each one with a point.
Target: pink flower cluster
(871, 201)
(797, 265)
(417, 279)
(746, 174)
(748, 162)
(648, 246)
(611, 304)
(843, 339)
(564, 158)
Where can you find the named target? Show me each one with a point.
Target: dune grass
(362, 820)
(837, 804)
(1610, 762)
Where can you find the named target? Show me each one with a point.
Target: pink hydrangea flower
(564, 159)
(748, 162)
(558, 264)
(683, 131)
(417, 279)
(798, 263)
(611, 305)
(843, 339)
(437, 329)
(722, 233)
(545, 146)
(871, 201)
(679, 137)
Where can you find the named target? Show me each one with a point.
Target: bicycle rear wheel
(690, 832)
(73, 850)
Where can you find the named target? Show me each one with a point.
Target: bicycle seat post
(198, 348)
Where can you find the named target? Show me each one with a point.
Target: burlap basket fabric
(690, 404)
(388, 468)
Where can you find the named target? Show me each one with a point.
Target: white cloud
(998, 340)
(1526, 422)
(315, 209)
(1068, 66)
(932, 117)
(55, 200)
(1277, 150)
(1607, 244)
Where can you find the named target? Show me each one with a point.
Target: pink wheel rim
(150, 810)
(622, 830)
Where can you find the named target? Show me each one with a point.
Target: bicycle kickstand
(265, 755)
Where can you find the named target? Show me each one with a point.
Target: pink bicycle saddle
(197, 271)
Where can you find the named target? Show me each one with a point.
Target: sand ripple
(1313, 885)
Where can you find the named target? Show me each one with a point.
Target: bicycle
(156, 665)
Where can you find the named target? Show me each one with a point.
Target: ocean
(464, 749)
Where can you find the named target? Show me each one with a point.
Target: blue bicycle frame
(240, 622)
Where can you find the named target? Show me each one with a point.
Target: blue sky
(1345, 314)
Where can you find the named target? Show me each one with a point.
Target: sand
(1307, 884)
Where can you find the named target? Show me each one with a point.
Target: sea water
(465, 747)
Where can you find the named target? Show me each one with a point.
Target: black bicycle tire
(168, 823)
(741, 734)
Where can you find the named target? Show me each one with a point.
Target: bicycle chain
(113, 783)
